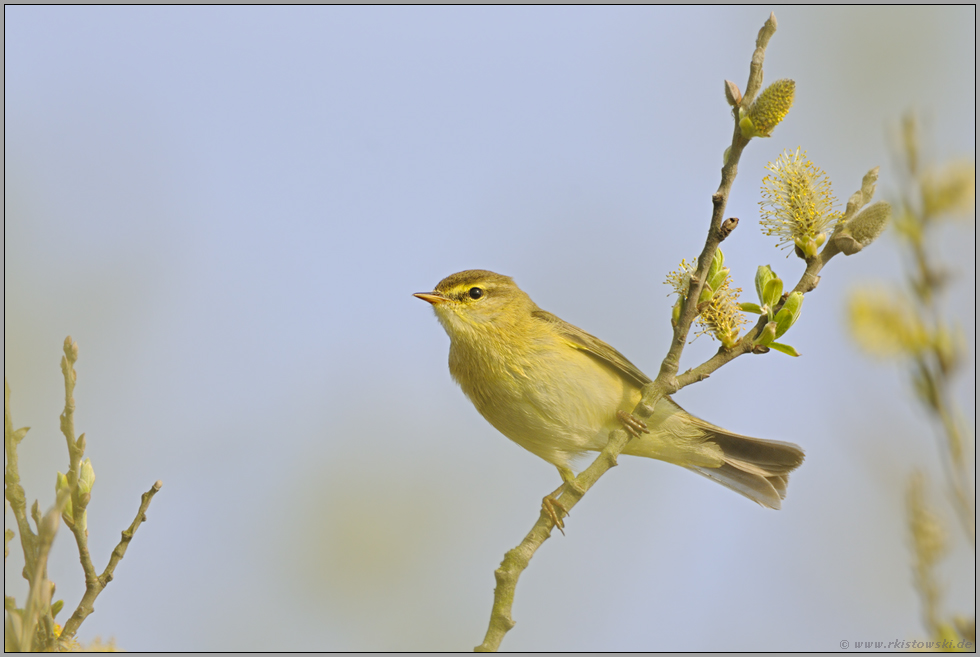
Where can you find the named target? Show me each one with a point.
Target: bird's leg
(633, 425)
(550, 504)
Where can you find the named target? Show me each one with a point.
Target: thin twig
(12, 489)
(76, 448)
(94, 587)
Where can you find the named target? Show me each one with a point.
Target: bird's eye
(476, 292)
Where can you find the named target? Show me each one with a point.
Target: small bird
(558, 391)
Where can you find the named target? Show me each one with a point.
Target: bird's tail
(758, 469)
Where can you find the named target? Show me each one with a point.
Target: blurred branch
(910, 325)
(13, 491)
(928, 546)
(37, 609)
(21, 632)
(942, 193)
(32, 628)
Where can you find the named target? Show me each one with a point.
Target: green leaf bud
(717, 273)
(763, 275)
(717, 262)
(86, 477)
(61, 484)
(767, 336)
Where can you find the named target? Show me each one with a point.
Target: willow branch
(666, 383)
(517, 559)
(927, 282)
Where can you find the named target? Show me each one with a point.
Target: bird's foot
(550, 505)
(555, 509)
(632, 424)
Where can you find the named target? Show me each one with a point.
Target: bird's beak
(432, 297)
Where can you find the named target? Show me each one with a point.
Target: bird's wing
(579, 339)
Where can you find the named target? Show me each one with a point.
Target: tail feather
(758, 469)
(773, 456)
(766, 491)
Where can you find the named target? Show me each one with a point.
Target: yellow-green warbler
(557, 391)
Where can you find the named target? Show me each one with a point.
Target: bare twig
(94, 587)
(76, 448)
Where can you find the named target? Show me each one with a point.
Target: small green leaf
(783, 321)
(789, 313)
(56, 607)
(793, 304)
(718, 279)
(785, 348)
(772, 292)
(749, 307)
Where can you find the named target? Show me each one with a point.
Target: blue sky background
(229, 208)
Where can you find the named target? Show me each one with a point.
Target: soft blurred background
(229, 208)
